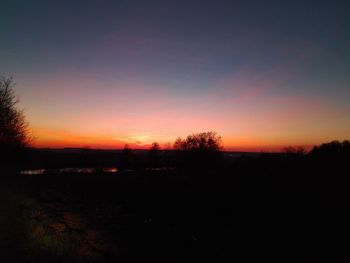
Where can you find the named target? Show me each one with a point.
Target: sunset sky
(262, 74)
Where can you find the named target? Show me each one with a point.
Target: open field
(280, 212)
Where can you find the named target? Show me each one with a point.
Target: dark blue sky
(201, 57)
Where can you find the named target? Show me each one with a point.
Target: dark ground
(279, 209)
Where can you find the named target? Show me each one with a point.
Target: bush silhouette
(154, 155)
(200, 150)
(294, 150)
(127, 157)
(200, 142)
(334, 150)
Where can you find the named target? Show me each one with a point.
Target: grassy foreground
(37, 230)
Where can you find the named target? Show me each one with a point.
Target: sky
(262, 74)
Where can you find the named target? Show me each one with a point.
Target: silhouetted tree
(178, 144)
(294, 150)
(200, 142)
(332, 150)
(154, 153)
(200, 150)
(13, 126)
(126, 157)
(155, 147)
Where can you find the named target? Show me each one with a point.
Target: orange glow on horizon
(49, 138)
(247, 118)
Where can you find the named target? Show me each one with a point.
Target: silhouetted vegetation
(13, 127)
(295, 150)
(200, 142)
(154, 155)
(200, 151)
(155, 148)
(332, 150)
(281, 207)
(127, 158)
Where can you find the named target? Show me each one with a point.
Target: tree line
(196, 150)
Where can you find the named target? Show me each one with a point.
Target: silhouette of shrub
(200, 142)
(294, 150)
(332, 150)
(127, 157)
(154, 155)
(200, 150)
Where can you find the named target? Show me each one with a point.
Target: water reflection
(69, 170)
(33, 172)
(110, 170)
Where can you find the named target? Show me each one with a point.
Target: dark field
(280, 208)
